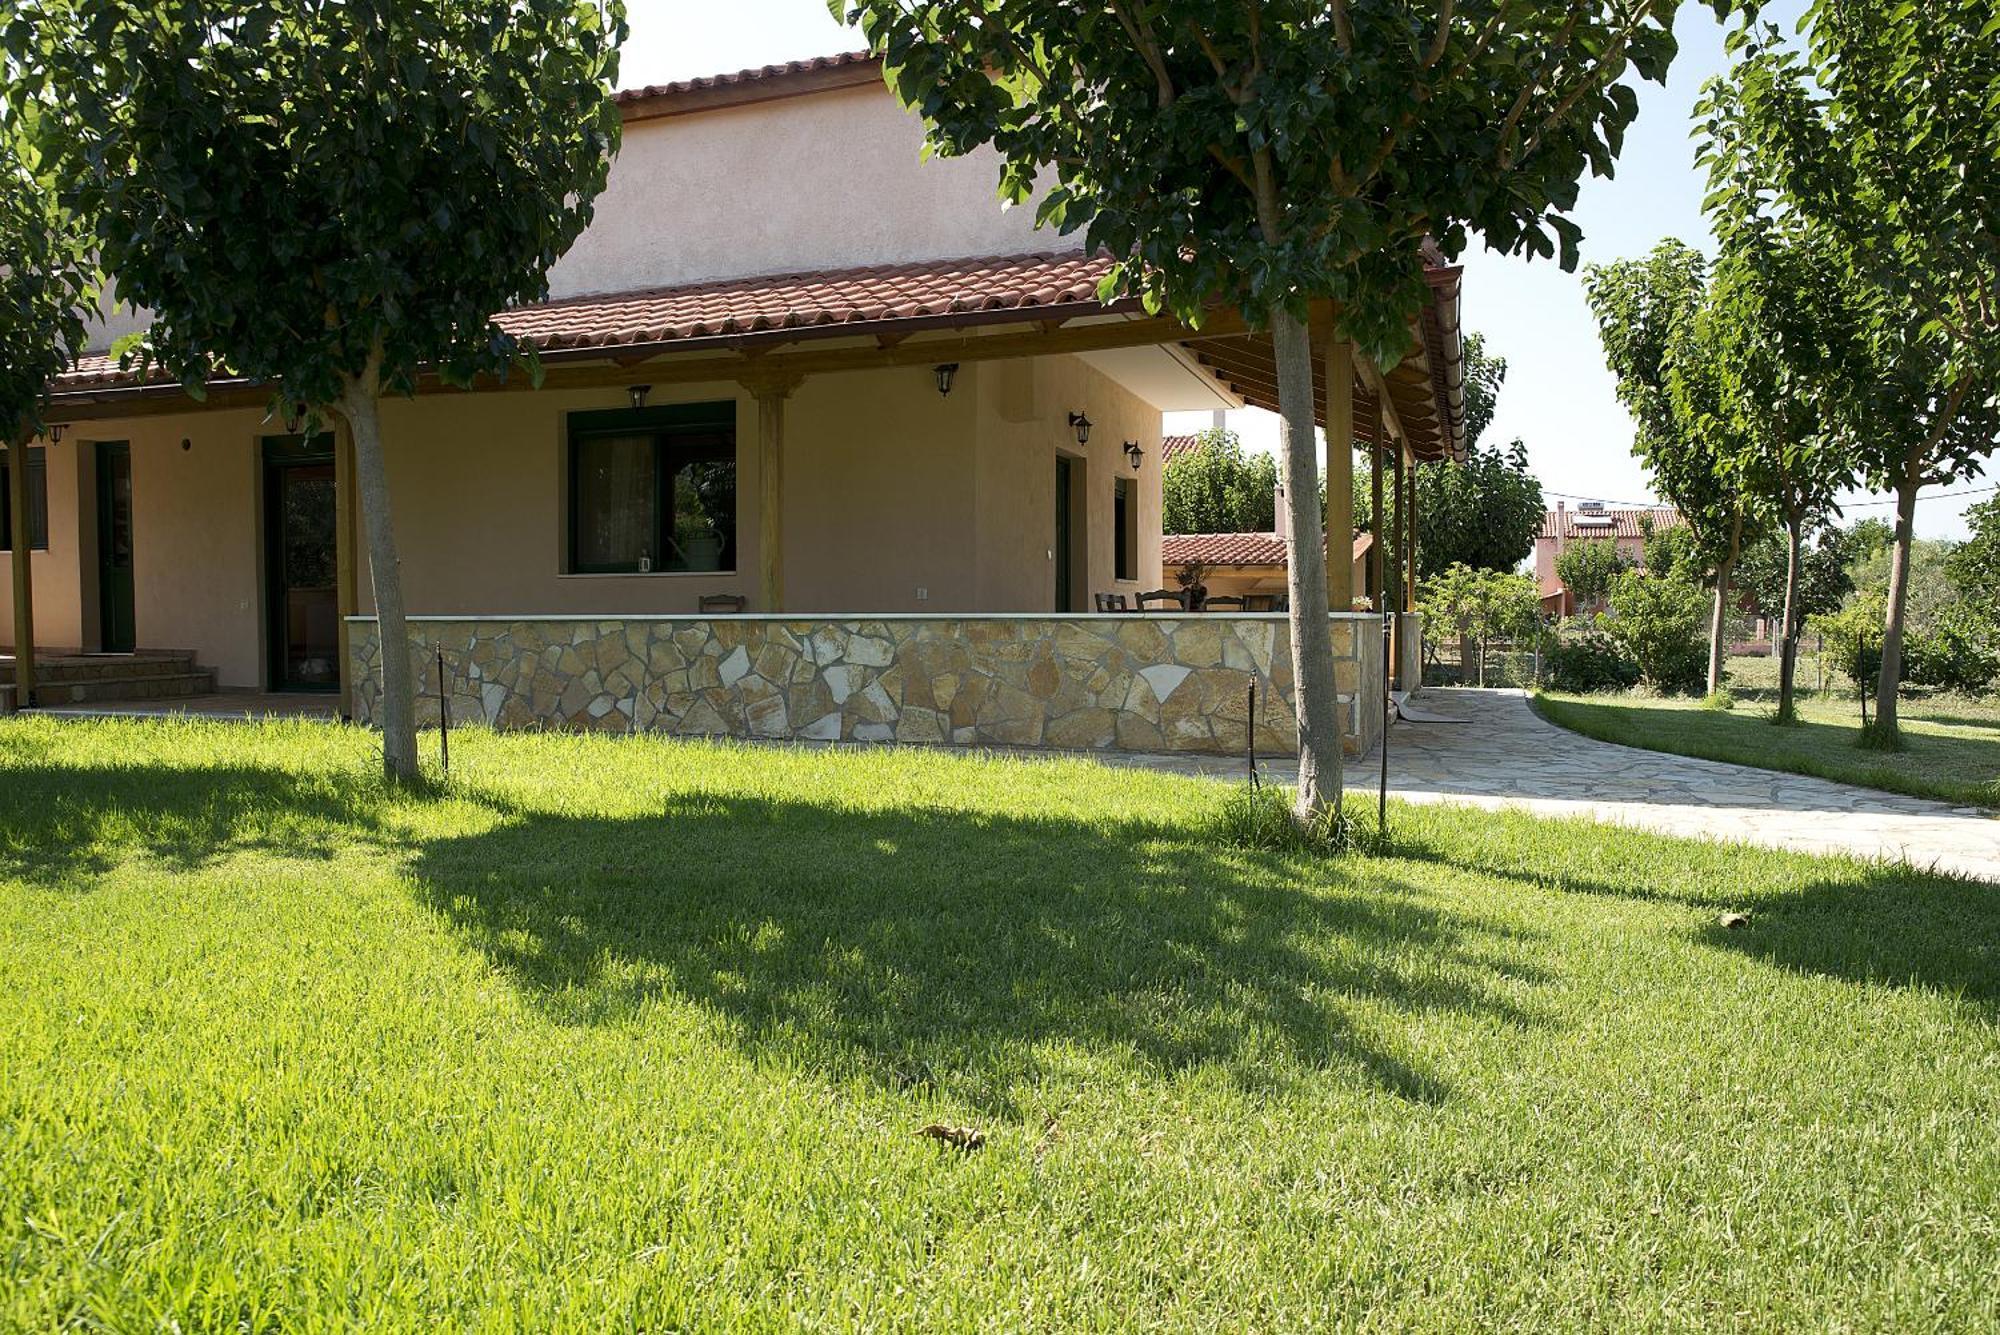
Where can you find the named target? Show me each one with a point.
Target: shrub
(1721, 701)
(1591, 663)
(1260, 818)
(1853, 638)
(1955, 654)
(1658, 621)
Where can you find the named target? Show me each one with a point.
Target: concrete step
(153, 686)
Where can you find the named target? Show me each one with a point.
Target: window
(1125, 528)
(38, 500)
(653, 490)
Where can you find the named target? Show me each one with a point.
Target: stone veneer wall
(1148, 682)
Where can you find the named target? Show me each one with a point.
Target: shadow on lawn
(60, 825)
(1883, 926)
(962, 950)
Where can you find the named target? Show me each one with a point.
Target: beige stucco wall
(889, 488)
(57, 572)
(843, 185)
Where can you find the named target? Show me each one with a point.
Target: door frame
(275, 454)
(126, 598)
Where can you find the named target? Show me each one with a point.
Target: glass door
(301, 559)
(118, 629)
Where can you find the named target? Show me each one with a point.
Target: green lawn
(639, 1035)
(1951, 746)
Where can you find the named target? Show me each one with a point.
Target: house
(829, 446)
(1591, 521)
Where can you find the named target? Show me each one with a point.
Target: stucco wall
(889, 489)
(57, 572)
(839, 184)
(1134, 683)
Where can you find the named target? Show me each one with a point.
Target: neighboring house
(1591, 521)
(1251, 566)
(795, 370)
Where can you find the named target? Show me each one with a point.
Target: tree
(1823, 581)
(1783, 339)
(328, 198)
(1853, 637)
(1885, 145)
(46, 283)
(1974, 565)
(1648, 315)
(1271, 154)
(1657, 619)
(1590, 569)
(1484, 512)
(1218, 488)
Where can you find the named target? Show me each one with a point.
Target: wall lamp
(1135, 454)
(638, 393)
(946, 372)
(1081, 425)
(56, 430)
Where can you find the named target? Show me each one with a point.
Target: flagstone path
(1490, 749)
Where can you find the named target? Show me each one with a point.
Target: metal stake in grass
(444, 716)
(1251, 746)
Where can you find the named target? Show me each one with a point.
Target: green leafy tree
(1853, 640)
(1658, 620)
(1974, 565)
(1218, 488)
(47, 282)
(1483, 512)
(329, 198)
(1823, 578)
(1589, 570)
(1883, 141)
(1648, 315)
(1275, 153)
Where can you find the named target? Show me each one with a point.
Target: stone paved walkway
(1495, 751)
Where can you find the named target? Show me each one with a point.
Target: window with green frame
(38, 500)
(653, 489)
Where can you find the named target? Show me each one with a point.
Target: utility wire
(1852, 505)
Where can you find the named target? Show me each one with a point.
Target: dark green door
(1062, 534)
(300, 561)
(118, 628)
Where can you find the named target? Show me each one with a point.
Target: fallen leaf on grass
(1734, 920)
(958, 1137)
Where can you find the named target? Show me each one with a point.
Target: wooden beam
(21, 558)
(770, 393)
(1339, 475)
(1378, 581)
(666, 366)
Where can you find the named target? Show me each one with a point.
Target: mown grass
(1951, 747)
(639, 1035)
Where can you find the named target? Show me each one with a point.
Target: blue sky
(1559, 398)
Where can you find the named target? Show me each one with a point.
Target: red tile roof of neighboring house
(821, 300)
(1234, 549)
(1624, 523)
(1173, 447)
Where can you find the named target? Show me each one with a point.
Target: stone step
(68, 669)
(155, 686)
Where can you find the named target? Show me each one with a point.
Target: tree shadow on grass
(63, 825)
(963, 950)
(1883, 926)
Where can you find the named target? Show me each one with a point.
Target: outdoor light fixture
(294, 419)
(638, 393)
(1135, 454)
(1082, 427)
(945, 372)
(56, 430)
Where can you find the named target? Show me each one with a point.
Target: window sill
(647, 574)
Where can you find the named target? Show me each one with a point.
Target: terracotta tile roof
(1173, 447)
(822, 300)
(842, 60)
(1624, 523)
(1235, 549)
(811, 300)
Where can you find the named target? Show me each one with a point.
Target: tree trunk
(1718, 631)
(1788, 659)
(1899, 588)
(398, 710)
(1314, 687)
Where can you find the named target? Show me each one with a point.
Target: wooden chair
(731, 603)
(1260, 602)
(1110, 602)
(1223, 604)
(1174, 599)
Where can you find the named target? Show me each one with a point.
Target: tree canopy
(1218, 487)
(47, 283)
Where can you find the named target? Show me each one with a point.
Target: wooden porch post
(770, 393)
(1339, 475)
(21, 561)
(343, 558)
(1378, 575)
(1406, 478)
